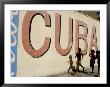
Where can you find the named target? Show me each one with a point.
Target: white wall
(52, 62)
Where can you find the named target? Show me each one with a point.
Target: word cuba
(36, 53)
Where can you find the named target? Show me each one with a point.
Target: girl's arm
(90, 55)
(69, 61)
(82, 55)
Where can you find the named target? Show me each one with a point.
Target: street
(86, 73)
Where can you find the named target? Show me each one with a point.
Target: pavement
(86, 73)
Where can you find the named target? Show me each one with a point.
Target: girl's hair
(92, 51)
(70, 56)
(79, 49)
(97, 52)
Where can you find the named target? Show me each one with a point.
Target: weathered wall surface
(52, 62)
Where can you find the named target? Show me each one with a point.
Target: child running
(78, 55)
(71, 64)
(98, 60)
(92, 60)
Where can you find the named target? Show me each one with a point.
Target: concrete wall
(52, 62)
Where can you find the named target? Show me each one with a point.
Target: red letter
(81, 36)
(93, 38)
(26, 28)
(61, 51)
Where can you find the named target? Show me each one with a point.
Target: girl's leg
(69, 69)
(82, 66)
(98, 69)
(77, 65)
(93, 69)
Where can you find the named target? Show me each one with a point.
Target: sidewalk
(86, 73)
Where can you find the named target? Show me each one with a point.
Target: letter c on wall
(26, 28)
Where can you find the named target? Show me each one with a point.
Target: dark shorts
(92, 63)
